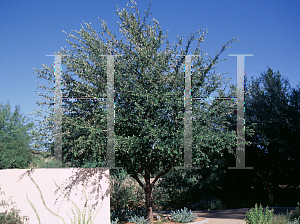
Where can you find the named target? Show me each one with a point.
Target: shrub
(283, 219)
(11, 217)
(139, 220)
(124, 214)
(258, 216)
(289, 218)
(296, 221)
(183, 216)
(179, 189)
(208, 203)
(294, 214)
(279, 219)
(114, 221)
(124, 191)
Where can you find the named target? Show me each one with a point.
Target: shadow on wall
(37, 192)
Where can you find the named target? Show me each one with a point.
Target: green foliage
(273, 111)
(296, 221)
(183, 216)
(149, 106)
(114, 221)
(124, 214)
(282, 219)
(183, 189)
(255, 216)
(153, 88)
(45, 159)
(259, 216)
(124, 192)
(14, 139)
(13, 215)
(295, 214)
(288, 218)
(178, 189)
(139, 220)
(208, 203)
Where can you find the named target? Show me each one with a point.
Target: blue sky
(32, 29)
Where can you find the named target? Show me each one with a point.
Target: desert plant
(114, 221)
(162, 221)
(215, 204)
(291, 217)
(258, 216)
(183, 216)
(139, 220)
(296, 221)
(13, 215)
(279, 219)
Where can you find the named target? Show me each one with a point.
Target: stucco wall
(17, 183)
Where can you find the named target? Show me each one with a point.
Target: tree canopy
(149, 102)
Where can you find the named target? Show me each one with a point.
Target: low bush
(139, 220)
(179, 189)
(114, 221)
(124, 214)
(12, 216)
(208, 203)
(258, 216)
(183, 216)
(283, 219)
(124, 191)
(295, 214)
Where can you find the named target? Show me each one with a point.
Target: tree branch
(134, 174)
(163, 173)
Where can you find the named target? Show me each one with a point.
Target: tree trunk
(270, 193)
(267, 185)
(148, 186)
(271, 199)
(149, 201)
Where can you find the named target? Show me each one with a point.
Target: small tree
(15, 149)
(149, 106)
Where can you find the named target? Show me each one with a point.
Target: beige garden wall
(17, 183)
